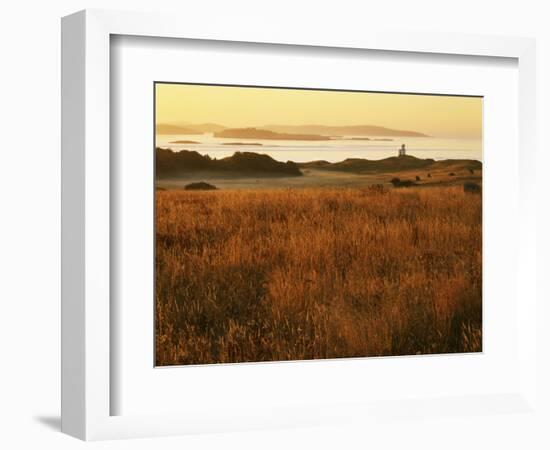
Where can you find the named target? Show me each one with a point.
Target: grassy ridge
(393, 164)
(316, 273)
(170, 163)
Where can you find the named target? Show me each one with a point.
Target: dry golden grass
(316, 273)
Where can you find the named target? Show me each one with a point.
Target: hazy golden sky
(439, 116)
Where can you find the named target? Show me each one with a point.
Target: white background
(141, 389)
(30, 187)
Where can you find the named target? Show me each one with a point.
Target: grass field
(267, 275)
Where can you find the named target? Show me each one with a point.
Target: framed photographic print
(266, 229)
(286, 241)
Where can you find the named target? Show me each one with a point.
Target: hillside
(173, 164)
(352, 130)
(392, 164)
(256, 133)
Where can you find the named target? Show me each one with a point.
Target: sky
(438, 116)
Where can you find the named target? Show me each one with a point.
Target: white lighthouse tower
(402, 151)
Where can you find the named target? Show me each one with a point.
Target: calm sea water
(333, 151)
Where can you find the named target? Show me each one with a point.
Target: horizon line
(266, 126)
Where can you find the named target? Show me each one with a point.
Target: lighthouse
(402, 151)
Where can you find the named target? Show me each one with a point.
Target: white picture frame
(86, 224)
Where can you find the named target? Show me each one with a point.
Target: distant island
(255, 144)
(349, 130)
(184, 142)
(256, 133)
(287, 132)
(360, 138)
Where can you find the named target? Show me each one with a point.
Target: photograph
(300, 223)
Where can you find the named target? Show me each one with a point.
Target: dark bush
(398, 182)
(376, 189)
(407, 183)
(200, 186)
(173, 164)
